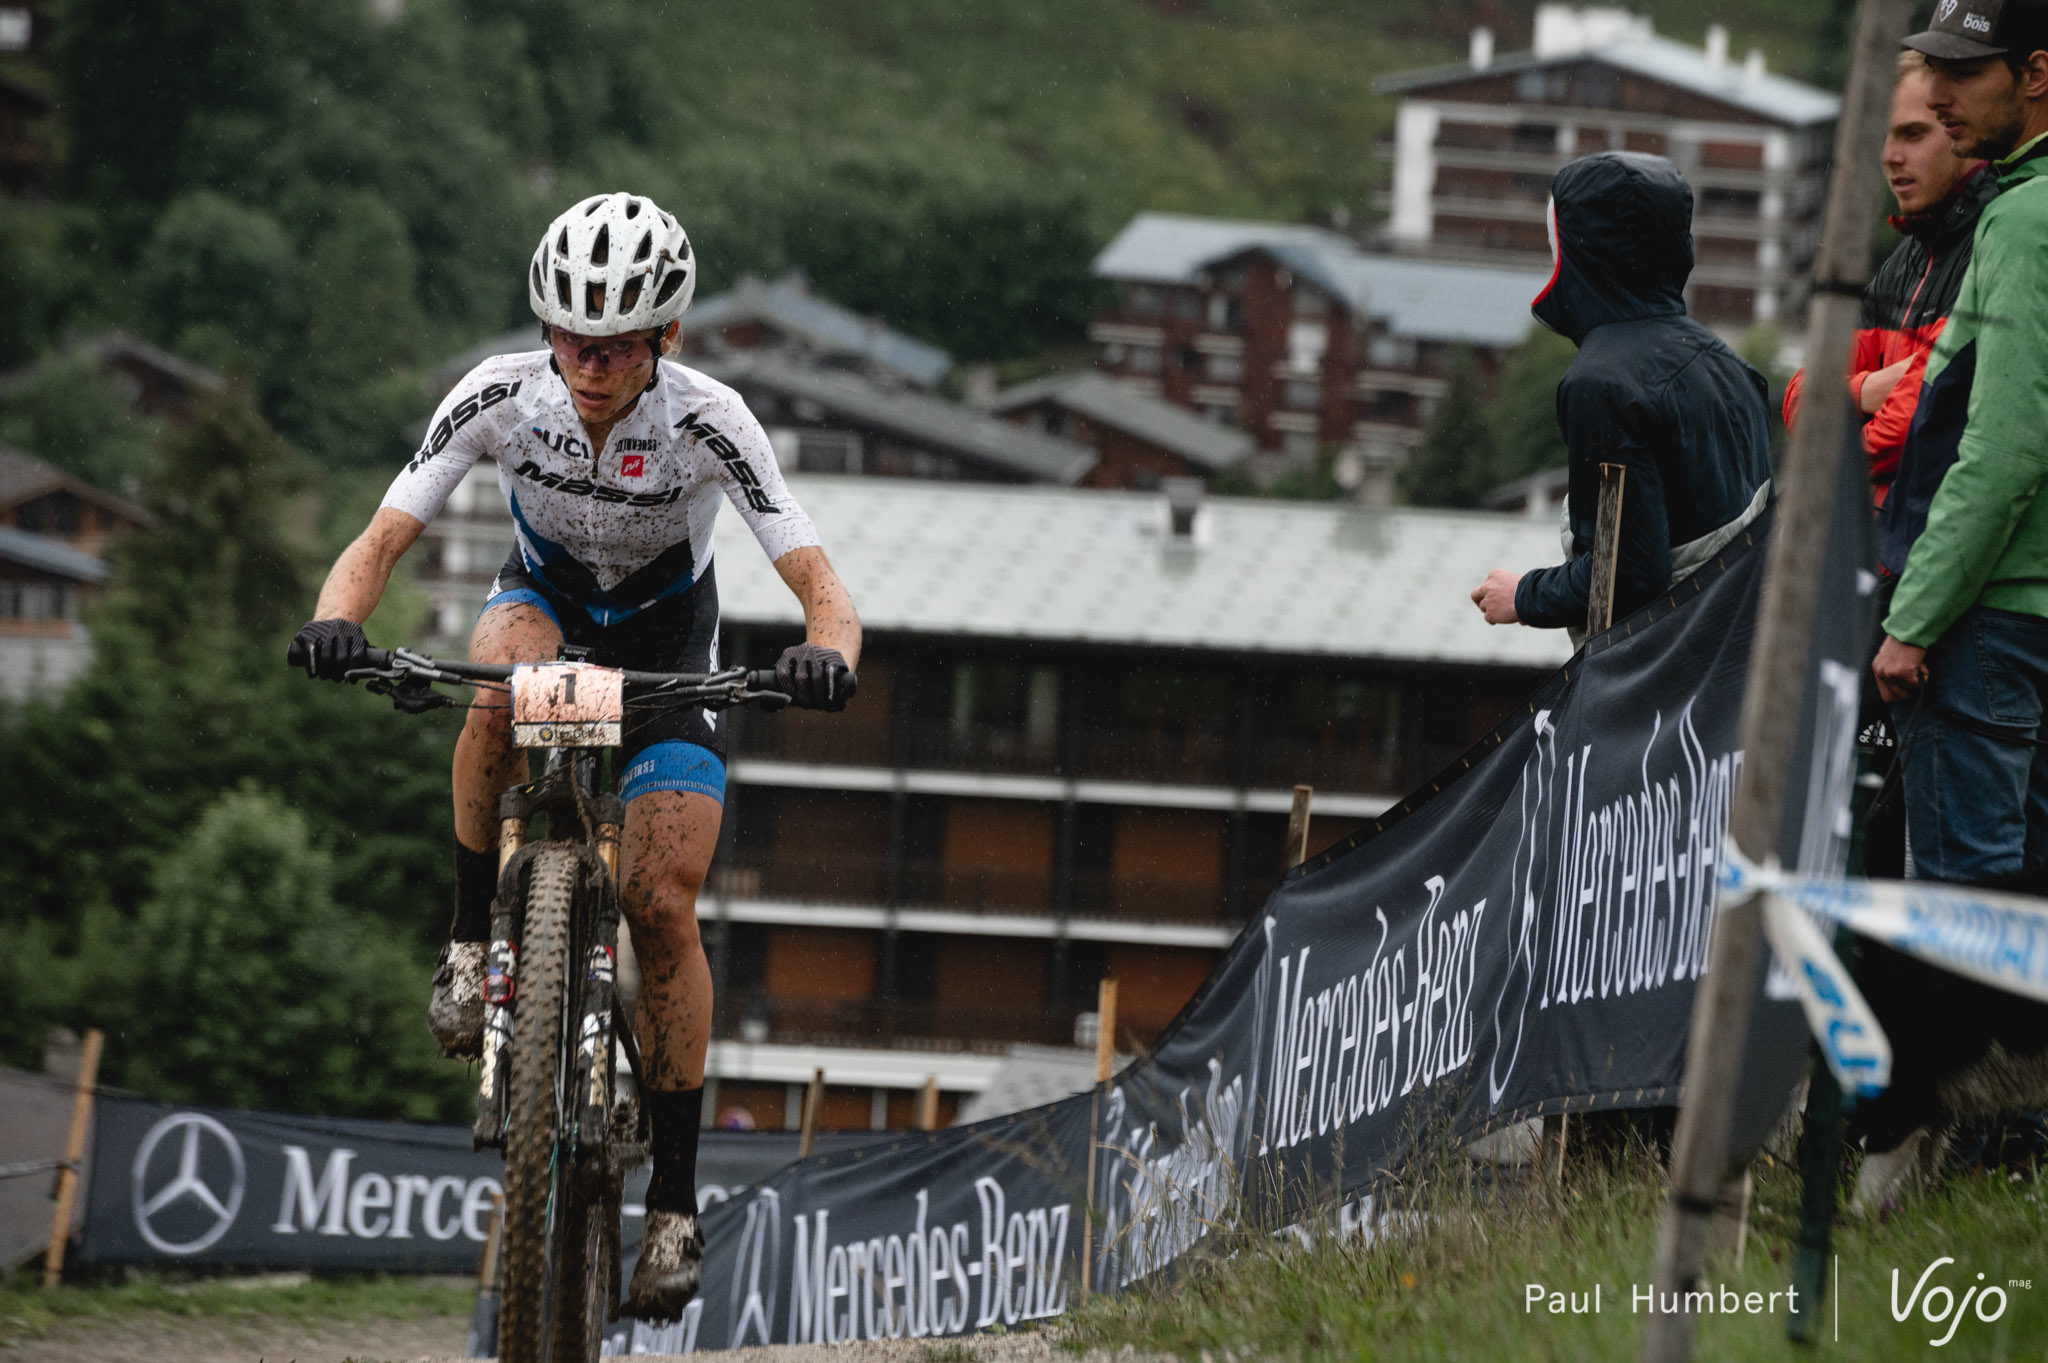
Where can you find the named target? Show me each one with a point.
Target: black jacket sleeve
(1604, 423)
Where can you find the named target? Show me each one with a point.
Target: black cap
(1967, 30)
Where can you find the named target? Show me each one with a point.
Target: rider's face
(603, 377)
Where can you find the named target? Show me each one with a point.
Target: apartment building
(1297, 335)
(1475, 145)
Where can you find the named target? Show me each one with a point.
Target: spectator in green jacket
(1966, 650)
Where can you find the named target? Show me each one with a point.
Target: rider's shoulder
(497, 376)
(688, 390)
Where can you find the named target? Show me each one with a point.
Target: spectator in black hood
(1651, 390)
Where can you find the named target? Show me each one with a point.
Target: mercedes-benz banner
(214, 1186)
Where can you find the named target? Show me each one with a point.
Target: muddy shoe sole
(455, 1014)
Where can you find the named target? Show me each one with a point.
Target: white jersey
(620, 528)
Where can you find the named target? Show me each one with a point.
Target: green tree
(70, 411)
(1523, 412)
(241, 982)
(1457, 462)
(218, 282)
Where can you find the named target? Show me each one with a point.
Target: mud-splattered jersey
(616, 529)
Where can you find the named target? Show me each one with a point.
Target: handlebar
(384, 660)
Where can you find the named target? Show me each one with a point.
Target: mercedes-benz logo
(188, 1184)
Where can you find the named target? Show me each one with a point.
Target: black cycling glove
(329, 649)
(816, 677)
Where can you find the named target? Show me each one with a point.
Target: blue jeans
(1977, 805)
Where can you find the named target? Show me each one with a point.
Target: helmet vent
(562, 290)
(539, 289)
(593, 299)
(562, 242)
(632, 208)
(594, 204)
(646, 248)
(683, 249)
(601, 249)
(669, 286)
(629, 296)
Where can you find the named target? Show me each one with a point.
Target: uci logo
(188, 1199)
(1951, 1311)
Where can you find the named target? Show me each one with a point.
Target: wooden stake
(928, 1105)
(1105, 1034)
(1606, 548)
(1296, 850)
(813, 1100)
(1774, 696)
(74, 1154)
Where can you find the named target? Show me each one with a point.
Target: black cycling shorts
(668, 749)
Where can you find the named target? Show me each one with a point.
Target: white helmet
(612, 264)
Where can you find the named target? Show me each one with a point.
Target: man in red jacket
(1940, 196)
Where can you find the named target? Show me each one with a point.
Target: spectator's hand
(1878, 385)
(1495, 597)
(329, 649)
(1900, 669)
(816, 677)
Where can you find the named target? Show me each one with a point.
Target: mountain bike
(549, 1092)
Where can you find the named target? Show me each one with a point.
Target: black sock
(676, 1114)
(476, 884)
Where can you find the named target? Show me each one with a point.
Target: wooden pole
(928, 1105)
(483, 1323)
(1606, 548)
(1296, 850)
(74, 1155)
(814, 1098)
(1105, 1061)
(1778, 668)
(1105, 1034)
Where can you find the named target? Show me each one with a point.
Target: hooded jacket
(1966, 524)
(1651, 390)
(1904, 309)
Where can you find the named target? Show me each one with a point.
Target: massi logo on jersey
(631, 465)
(461, 415)
(561, 444)
(583, 487)
(729, 455)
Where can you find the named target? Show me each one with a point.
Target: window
(1388, 404)
(1310, 301)
(1114, 354)
(1145, 300)
(1391, 352)
(1299, 444)
(1187, 305)
(1223, 368)
(1303, 394)
(38, 601)
(1145, 359)
(1222, 413)
(1226, 312)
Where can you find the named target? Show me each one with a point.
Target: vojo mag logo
(186, 1197)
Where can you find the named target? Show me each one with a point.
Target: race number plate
(567, 705)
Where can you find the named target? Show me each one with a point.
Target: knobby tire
(554, 1292)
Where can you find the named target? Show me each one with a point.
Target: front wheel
(557, 1265)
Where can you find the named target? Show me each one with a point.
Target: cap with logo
(1968, 30)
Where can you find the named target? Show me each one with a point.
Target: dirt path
(155, 1337)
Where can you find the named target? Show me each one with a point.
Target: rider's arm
(356, 583)
(829, 618)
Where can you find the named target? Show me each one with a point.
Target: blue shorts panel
(525, 596)
(674, 765)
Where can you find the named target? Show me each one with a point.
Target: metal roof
(931, 421)
(1090, 566)
(789, 303)
(1172, 248)
(50, 556)
(1109, 403)
(1766, 94)
(1427, 300)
